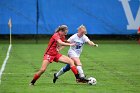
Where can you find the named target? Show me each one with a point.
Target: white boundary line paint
(18, 73)
(5, 61)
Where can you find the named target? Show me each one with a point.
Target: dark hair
(62, 27)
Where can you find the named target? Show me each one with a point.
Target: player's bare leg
(78, 66)
(69, 61)
(80, 70)
(67, 68)
(45, 63)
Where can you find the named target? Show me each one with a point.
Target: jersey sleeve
(63, 39)
(56, 36)
(71, 38)
(86, 39)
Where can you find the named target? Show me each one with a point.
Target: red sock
(74, 70)
(36, 76)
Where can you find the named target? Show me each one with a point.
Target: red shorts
(52, 58)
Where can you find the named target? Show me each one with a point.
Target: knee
(71, 62)
(78, 64)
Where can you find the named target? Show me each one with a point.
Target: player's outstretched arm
(92, 43)
(62, 46)
(65, 44)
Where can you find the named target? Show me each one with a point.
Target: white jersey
(75, 51)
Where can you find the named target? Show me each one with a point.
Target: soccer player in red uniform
(52, 53)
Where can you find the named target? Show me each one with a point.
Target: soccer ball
(92, 81)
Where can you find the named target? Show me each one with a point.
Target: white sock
(80, 70)
(60, 72)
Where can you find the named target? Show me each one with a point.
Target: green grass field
(115, 65)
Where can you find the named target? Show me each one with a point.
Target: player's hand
(96, 45)
(72, 44)
(57, 49)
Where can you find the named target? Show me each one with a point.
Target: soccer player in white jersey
(74, 52)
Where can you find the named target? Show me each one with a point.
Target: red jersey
(52, 46)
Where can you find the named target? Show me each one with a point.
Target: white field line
(18, 73)
(5, 61)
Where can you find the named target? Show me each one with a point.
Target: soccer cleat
(54, 78)
(82, 80)
(31, 84)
